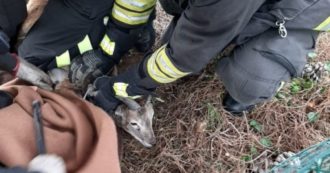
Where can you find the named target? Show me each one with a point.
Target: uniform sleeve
(132, 13)
(127, 20)
(203, 30)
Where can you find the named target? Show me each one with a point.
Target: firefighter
(100, 32)
(272, 37)
(12, 13)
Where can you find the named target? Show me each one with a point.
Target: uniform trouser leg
(59, 28)
(12, 13)
(254, 71)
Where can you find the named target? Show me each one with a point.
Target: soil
(195, 134)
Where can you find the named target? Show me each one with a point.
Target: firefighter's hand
(106, 89)
(47, 164)
(30, 73)
(86, 68)
(101, 93)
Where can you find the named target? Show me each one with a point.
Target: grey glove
(86, 68)
(314, 71)
(30, 73)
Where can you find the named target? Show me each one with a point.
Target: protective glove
(23, 69)
(47, 164)
(116, 42)
(105, 90)
(31, 73)
(103, 95)
(86, 68)
(314, 71)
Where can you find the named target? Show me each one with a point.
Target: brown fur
(35, 9)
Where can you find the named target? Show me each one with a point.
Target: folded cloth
(79, 132)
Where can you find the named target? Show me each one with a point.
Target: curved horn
(132, 104)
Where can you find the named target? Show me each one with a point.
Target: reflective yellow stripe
(85, 45)
(120, 90)
(107, 45)
(324, 26)
(137, 5)
(129, 17)
(167, 67)
(161, 69)
(63, 60)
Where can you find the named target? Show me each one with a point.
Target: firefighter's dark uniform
(273, 38)
(69, 28)
(12, 13)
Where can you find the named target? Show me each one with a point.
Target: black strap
(38, 127)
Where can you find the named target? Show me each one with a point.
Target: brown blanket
(82, 134)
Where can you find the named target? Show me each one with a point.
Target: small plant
(300, 84)
(249, 157)
(256, 125)
(312, 55)
(327, 66)
(213, 117)
(312, 117)
(295, 86)
(246, 158)
(266, 142)
(253, 150)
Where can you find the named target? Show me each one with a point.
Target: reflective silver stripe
(161, 69)
(137, 5)
(167, 67)
(133, 3)
(129, 17)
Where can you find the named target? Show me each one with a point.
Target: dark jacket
(12, 13)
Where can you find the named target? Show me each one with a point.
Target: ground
(195, 134)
